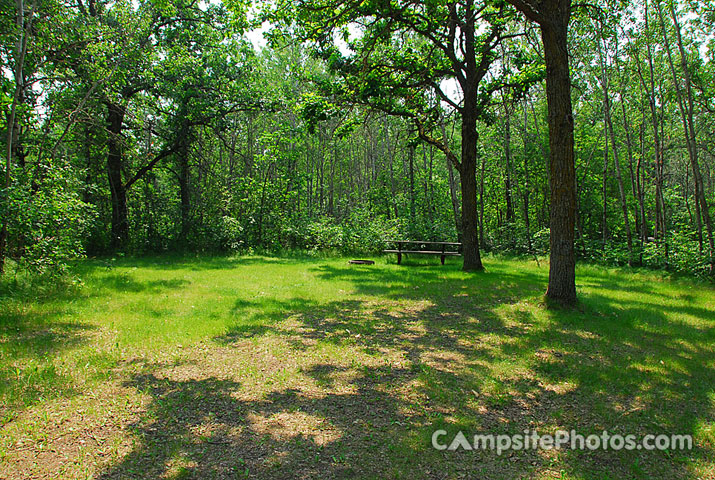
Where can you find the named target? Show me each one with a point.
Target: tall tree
(553, 17)
(400, 62)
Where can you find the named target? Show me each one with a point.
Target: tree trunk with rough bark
(468, 175)
(553, 18)
(562, 271)
(118, 192)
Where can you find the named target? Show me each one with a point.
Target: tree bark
(468, 175)
(120, 220)
(660, 231)
(507, 155)
(184, 187)
(604, 186)
(525, 191)
(553, 18)
(411, 154)
(482, 243)
(562, 270)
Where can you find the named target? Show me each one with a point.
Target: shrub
(47, 219)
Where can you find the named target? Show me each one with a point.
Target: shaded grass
(266, 367)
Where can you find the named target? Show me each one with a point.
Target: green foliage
(367, 233)
(47, 219)
(289, 146)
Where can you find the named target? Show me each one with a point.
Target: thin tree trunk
(453, 194)
(525, 191)
(687, 113)
(627, 130)
(641, 192)
(507, 154)
(658, 126)
(455, 200)
(411, 155)
(604, 189)
(614, 148)
(20, 53)
(482, 243)
(660, 229)
(184, 189)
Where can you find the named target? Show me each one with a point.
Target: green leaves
(47, 215)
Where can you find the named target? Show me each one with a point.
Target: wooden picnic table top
(420, 242)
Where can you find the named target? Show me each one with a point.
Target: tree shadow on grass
(453, 359)
(28, 342)
(37, 325)
(127, 283)
(192, 262)
(202, 429)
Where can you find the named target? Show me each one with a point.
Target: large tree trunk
(468, 175)
(120, 220)
(468, 166)
(562, 271)
(553, 17)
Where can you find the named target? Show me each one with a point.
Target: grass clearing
(263, 367)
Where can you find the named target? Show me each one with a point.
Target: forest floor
(259, 367)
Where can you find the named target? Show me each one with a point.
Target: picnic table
(421, 247)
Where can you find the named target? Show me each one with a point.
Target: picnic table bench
(419, 247)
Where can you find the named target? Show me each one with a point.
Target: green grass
(263, 367)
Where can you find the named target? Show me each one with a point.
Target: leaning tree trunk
(562, 271)
(118, 192)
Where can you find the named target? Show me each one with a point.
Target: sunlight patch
(285, 426)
